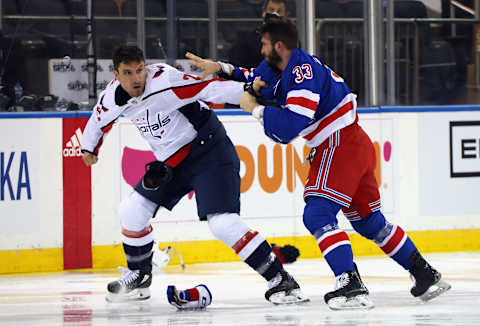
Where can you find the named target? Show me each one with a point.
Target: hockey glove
(286, 254)
(198, 297)
(157, 173)
(248, 87)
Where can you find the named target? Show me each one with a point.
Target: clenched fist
(89, 159)
(248, 102)
(258, 84)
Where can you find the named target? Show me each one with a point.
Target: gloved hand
(254, 87)
(198, 297)
(158, 173)
(286, 254)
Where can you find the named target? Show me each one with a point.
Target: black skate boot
(350, 293)
(132, 285)
(283, 289)
(428, 281)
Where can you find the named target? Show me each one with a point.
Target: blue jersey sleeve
(269, 76)
(282, 125)
(245, 75)
(239, 74)
(264, 71)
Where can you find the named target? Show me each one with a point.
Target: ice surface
(78, 297)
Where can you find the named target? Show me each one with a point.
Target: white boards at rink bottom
(58, 214)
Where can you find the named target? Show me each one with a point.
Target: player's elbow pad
(278, 137)
(282, 125)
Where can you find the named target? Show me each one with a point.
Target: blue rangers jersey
(168, 114)
(268, 74)
(314, 100)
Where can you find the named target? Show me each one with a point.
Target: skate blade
(362, 302)
(135, 295)
(435, 290)
(295, 297)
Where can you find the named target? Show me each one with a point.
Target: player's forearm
(231, 72)
(91, 136)
(223, 91)
(282, 125)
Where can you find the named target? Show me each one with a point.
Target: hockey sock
(391, 238)
(320, 219)
(260, 257)
(248, 244)
(336, 249)
(135, 212)
(396, 244)
(139, 257)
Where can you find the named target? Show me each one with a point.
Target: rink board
(57, 214)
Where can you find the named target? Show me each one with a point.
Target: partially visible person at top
(246, 52)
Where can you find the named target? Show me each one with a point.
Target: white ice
(78, 297)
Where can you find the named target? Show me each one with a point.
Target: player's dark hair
(266, 2)
(280, 29)
(126, 54)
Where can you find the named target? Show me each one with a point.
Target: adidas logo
(73, 146)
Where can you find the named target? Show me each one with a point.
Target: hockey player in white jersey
(193, 152)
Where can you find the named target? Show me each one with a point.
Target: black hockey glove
(157, 173)
(286, 254)
(248, 87)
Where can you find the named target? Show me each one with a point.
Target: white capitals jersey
(161, 112)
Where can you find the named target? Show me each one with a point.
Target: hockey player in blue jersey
(315, 103)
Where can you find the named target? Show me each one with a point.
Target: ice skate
(195, 298)
(283, 289)
(132, 285)
(350, 293)
(428, 281)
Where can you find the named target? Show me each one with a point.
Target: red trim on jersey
(179, 156)
(332, 239)
(193, 294)
(394, 241)
(302, 101)
(328, 120)
(189, 91)
(107, 128)
(137, 234)
(100, 142)
(216, 105)
(240, 244)
(158, 73)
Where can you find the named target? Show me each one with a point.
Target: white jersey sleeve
(189, 88)
(104, 115)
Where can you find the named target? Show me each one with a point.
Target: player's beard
(273, 59)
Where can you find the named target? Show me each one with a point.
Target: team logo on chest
(153, 125)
